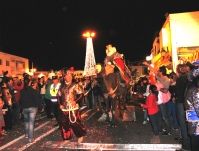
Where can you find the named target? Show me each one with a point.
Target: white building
(15, 65)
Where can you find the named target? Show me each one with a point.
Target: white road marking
(83, 107)
(40, 117)
(22, 136)
(38, 139)
(44, 135)
(84, 114)
(91, 115)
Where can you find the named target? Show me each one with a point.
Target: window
(7, 63)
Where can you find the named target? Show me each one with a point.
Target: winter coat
(151, 104)
(30, 98)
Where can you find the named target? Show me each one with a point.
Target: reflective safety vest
(54, 91)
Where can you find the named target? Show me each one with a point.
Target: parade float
(177, 42)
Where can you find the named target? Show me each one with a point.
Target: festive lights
(89, 34)
(89, 67)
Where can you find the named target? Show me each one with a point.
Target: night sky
(48, 32)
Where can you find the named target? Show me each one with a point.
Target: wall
(15, 65)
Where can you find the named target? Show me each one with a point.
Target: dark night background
(48, 32)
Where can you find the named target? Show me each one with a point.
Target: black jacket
(181, 85)
(30, 98)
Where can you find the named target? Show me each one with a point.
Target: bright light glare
(148, 58)
(89, 34)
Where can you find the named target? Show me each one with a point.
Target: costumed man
(117, 59)
(71, 123)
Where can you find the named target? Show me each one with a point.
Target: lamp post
(89, 67)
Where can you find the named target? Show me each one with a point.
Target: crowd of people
(60, 97)
(22, 99)
(171, 101)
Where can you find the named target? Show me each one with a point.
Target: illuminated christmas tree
(89, 67)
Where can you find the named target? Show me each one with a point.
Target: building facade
(15, 65)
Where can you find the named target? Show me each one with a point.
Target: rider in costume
(71, 122)
(117, 59)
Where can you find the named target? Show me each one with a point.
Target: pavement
(128, 135)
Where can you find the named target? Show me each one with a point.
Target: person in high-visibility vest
(54, 89)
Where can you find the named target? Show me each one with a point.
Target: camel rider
(117, 59)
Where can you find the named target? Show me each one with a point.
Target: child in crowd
(152, 109)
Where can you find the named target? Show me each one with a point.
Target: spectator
(152, 109)
(192, 108)
(47, 99)
(30, 102)
(18, 86)
(8, 108)
(172, 102)
(163, 84)
(181, 85)
(2, 123)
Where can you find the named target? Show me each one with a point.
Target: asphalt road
(100, 136)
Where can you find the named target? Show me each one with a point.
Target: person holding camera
(192, 108)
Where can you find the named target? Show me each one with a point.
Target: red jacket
(151, 104)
